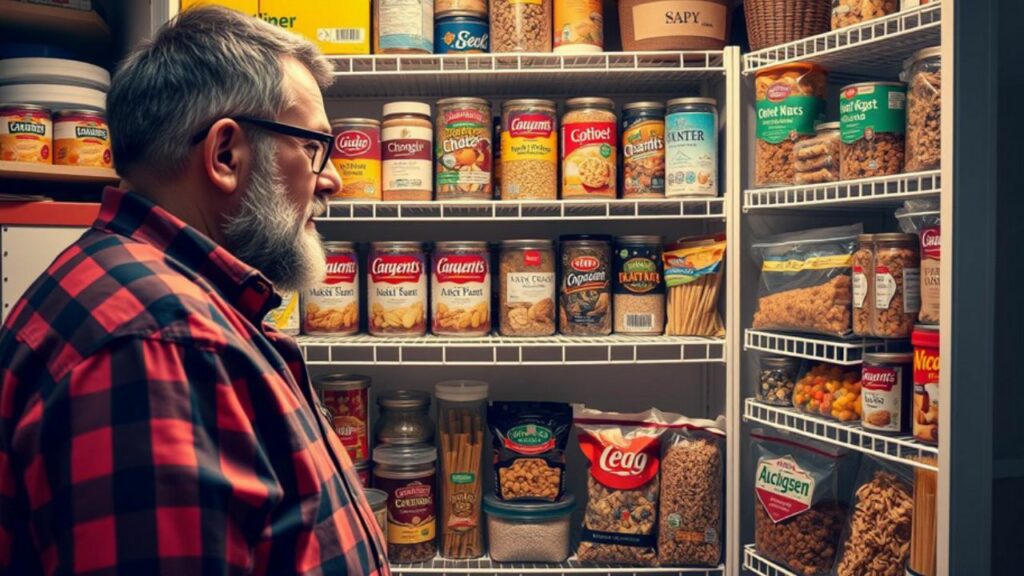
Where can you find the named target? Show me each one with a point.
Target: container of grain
(579, 26)
(529, 531)
(923, 73)
(589, 143)
(529, 150)
(407, 139)
(521, 26)
(639, 293)
(527, 288)
(872, 126)
(691, 147)
(790, 99)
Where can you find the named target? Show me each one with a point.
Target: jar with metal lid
(639, 291)
(691, 147)
(397, 289)
(409, 477)
(26, 134)
(331, 307)
(404, 418)
(527, 288)
(403, 26)
(897, 285)
(923, 74)
(356, 157)
(816, 160)
(462, 425)
(463, 149)
(776, 380)
(643, 150)
(407, 152)
(862, 269)
(529, 150)
(476, 7)
(347, 399)
(585, 297)
(887, 392)
(461, 289)
(81, 138)
(589, 145)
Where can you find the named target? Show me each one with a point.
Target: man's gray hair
(206, 64)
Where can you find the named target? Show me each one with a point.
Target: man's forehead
(302, 93)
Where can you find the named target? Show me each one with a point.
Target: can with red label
(461, 289)
(887, 392)
(397, 289)
(347, 399)
(364, 470)
(926, 383)
(331, 308)
(356, 156)
(589, 145)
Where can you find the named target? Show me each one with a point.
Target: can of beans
(643, 150)
(285, 318)
(886, 392)
(81, 138)
(26, 134)
(347, 398)
(926, 383)
(331, 308)
(461, 32)
(356, 156)
(639, 301)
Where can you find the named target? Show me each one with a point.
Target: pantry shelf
(531, 210)
(903, 449)
(56, 173)
(880, 192)
(761, 566)
(381, 76)
(571, 566)
(499, 350)
(874, 49)
(847, 352)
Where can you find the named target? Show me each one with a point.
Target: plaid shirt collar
(130, 214)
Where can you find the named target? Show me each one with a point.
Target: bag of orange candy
(830, 391)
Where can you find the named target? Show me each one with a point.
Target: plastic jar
(378, 500)
(816, 161)
(639, 292)
(397, 289)
(887, 390)
(347, 399)
(585, 295)
(403, 26)
(404, 418)
(477, 7)
(26, 134)
(691, 147)
(461, 289)
(527, 287)
(589, 143)
(790, 99)
(897, 285)
(923, 74)
(462, 422)
(873, 125)
(776, 379)
(862, 268)
(81, 138)
(407, 145)
(331, 307)
(579, 26)
(356, 157)
(463, 149)
(643, 150)
(529, 149)
(529, 531)
(408, 475)
(518, 26)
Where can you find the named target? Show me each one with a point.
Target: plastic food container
(816, 161)
(518, 26)
(873, 125)
(529, 531)
(923, 74)
(790, 100)
(829, 391)
(462, 420)
(776, 380)
(674, 24)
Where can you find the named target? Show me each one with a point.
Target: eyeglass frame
(287, 130)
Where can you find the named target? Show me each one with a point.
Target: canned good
(81, 138)
(356, 156)
(347, 398)
(585, 297)
(407, 141)
(887, 389)
(331, 308)
(463, 149)
(579, 26)
(691, 147)
(363, 472)
(639, 300)
(529, 150)
(25, 134)
(397, 290)
(926, 383)
(285, 318)
(461, 32)
(409, 477)
(643, 150)
(589, 143)
(403, 26)
(378, 500)
(526, 291)
(461, 289)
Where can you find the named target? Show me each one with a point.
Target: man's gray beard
(269, 234)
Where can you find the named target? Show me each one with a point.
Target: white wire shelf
(571, 566)
(762, 566)
(880, 192)
(531, 210)
(903, 449)
(874, 49)
(846, 352)
(499, 350)
(523, 74)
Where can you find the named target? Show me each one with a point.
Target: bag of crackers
(529, 440)
(624, 453)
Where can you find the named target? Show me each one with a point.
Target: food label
(860, 286)
(464, 152)
(332, 306)
(286, 316)
(579, 22)
(82, 140)
(787, 115)
(461, 293)
(529, 439)
(411, 509)
(643, 157)
(529, 287)
(671, 18)
(930, 274)
(639, 270)
(691, 154)
(926, 394)
(784, 489)
(530, 136)
(462, 36)
(406, 24)
(356, 156)
(407, 158)
(621, 466)
(397, 293)
(881, 396)
(588, 159)
(873, 109)
(911, 290)
(349, 418)
(25, 137)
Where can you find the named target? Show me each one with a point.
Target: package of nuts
(872, 125)
(790, 99)
(800, 488)
(518, 26)
(805, 280)
(624, 452)
(529, 440)
(690, 508)
(849, 12)
(923, 73)
(897, 285)
(816, 161)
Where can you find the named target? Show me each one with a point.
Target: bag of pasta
(693, 277)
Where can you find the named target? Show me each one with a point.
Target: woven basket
(774, 22)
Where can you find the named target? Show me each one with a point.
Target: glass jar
(409, 477)
(462, 421)
(585, 296)
(518, 26)
(589, 144)
(643, 150)
(461, 289)
(397, 289)
(463, 149)
(691, 147)
(529, 150)
(776, 380)
(790, 99)
(526, 291)
(897, 296)
(404, 418)
(639, 293)
(407, 158)
(816, 161)
(403, 26)
(923, 74)
(862, 268)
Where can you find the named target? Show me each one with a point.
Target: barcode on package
(341, 35)
(639, 321)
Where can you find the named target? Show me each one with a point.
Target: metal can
(589, 144)
(639, 293)
(585, 297)
(691, 147)
(397, 290)
(463, 149)
(926, 383)
(461, 32)
(356, 156)
(26, 134)
(364, 471)
(529, 150)
(643, 150)
(81, 138)
(461, 289)
(403, 26)
(347, 399)
(285, 318)
(331, 308)
(887, 389)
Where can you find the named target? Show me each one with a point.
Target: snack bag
(529, 440)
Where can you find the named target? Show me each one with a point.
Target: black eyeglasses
(319, 152)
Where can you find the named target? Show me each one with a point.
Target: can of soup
(347, 399)
(356, 156)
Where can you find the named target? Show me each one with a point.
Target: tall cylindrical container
(691, 147)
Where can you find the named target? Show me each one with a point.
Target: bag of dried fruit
(801, 489)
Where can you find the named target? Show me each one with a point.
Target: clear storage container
(923, 74)
(776, 379)
(529, 531)
(518, 26)
(816, 161)
(404, 418)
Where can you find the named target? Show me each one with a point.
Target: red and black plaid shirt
(150, 423)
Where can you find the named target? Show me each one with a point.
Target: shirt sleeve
(143, 458)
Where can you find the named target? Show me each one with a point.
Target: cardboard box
(250, 7)
(337, 27)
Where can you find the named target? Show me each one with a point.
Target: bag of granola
(529, 440)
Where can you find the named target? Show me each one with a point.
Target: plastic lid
(403, 399)
(587, 102)
(922, 54)
(528, 243)
(336, 122)
(779, 361)
(461, 390)
(343, 382)
(377, 498)
(460, 245)
(865, 238)
(520, 510)
(411, 455)
(896, 237)
(364, 465)
(636, 105)
(407, 108)
(925, 336)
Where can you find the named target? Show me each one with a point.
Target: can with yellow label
(25, 134)
(356, 156)
(286, 316)
(81, 138)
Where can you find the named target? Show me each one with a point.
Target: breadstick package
(693, 276)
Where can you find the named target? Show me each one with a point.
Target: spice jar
(462, 419)
(887, 392)
(589, 148)
(643, 150)
(529, 150)
(407, 142)
(923, 74)
(403, 26)
(777, 379)
(347, 399)
(518, 26)
(529, 531)
(897, 285)
(461, 289)
(639, 295)
(691, 147)
(397, 289)
(408, 475)
(526, 292)
(584, 300)
(816, 161)
(862, 266)
(926, 383)
(579, 26)
(464, 156)
(404, 418)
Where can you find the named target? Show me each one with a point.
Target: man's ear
(227, 155)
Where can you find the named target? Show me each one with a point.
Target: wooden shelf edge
(84, 24)
(55, 173)
(74, 214)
